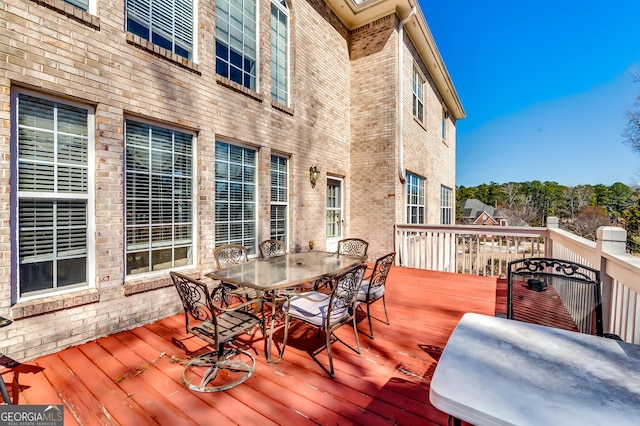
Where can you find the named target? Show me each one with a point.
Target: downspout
(400, 103)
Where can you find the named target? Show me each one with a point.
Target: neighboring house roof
(355, 13)
(479, 213)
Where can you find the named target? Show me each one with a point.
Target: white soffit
(355, 13)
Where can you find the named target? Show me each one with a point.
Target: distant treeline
(580, 208)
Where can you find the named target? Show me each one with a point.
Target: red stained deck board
(387, 383)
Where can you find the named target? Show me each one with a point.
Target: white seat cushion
(312, 307)
(376, 293)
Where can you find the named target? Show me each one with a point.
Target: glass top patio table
(285, 271)
(290, 270)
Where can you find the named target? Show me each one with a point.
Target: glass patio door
(335, 214)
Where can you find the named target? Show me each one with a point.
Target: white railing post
(552, 222)
(613, 240)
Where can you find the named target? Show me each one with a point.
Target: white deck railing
(486, 250)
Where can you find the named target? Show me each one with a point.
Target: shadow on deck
(134, 377)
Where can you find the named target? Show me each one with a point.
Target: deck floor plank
(136, 376)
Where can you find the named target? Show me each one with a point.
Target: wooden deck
(134, 377)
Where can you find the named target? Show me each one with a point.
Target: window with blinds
(236, 29)
(166, 23)
(158, 198)
(415, 199)
(52, 141)
(82, 4)
(279, 197)
(280, 52)
(235, 199)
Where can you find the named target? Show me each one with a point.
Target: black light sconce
(314, 174)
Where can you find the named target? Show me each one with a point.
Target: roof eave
(355, 15)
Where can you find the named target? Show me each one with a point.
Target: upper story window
(279, 197)
(235, 202)
(53, 210)
(280, 52)
(418, 95)
(82, 4)
(236, 30)
(446, 203)
(445, 115)
(166, 23)
(415, 199)
(159, 203)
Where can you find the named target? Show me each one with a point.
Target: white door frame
(334, 205)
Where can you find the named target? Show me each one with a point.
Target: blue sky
(545, 86)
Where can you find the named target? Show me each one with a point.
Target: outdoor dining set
(321, 290)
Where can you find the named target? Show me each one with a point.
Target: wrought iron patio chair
(225, 366)
(556, 293)
(373, 287)
(327, 312)
(229, 255)
(272, 248)
(351, 247)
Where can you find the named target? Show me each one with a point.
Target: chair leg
(5, 393)
(384, 304)
(328, 334)
(355, 332)
(369, 319)
(286, 335)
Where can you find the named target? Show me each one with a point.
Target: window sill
(72, 12)
(238, 88)
(142, 285)
(419, 122)
(50, 304)
(281, 107)
(163, 53)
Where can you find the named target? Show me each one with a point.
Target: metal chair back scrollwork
(272, 248)
(206, 318)
(373, 287)
(229, 255)
(555, 293)
(353, 247)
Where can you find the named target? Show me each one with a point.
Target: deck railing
(486, 250)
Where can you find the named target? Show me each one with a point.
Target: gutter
(400, 135)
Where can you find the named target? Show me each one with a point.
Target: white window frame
(153, 16)
(279, 55)
(279, 197)
(446, 205)
(171, 240)
(239, 209)
(415, 200)
(55, 196)
(418, 94)
(445, 115)
(248, 48)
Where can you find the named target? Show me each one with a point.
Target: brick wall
(342, 118)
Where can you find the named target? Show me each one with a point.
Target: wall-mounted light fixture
(314, 174)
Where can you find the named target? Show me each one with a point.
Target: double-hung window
(279, 197)
(236, 48)
(235, 198)
(166, 23)
(159, 202)
(53, 209)
(280, 52)
(418, 95)
(445, 205)
(415, 199)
